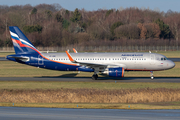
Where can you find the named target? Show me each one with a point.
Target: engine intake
(116, 72)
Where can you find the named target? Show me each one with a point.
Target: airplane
(112, 64)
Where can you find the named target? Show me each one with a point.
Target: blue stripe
(14, 37)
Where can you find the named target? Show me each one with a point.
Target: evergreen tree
(113, 27)
(34, 11)
(76, 16)
(59, 18)
(165, 31)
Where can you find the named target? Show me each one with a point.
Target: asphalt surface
(88, 79)
(3, 59)
(18, 113)
(175, 59)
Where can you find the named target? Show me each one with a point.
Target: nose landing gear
(152, 77)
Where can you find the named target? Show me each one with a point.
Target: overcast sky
(162, 5)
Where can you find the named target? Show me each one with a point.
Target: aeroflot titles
(121, 55)
(132, 55)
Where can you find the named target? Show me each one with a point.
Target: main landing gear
(94, 76)
(152, 77)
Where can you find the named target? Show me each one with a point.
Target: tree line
(51, 25)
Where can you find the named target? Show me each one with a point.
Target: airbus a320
(112, 64)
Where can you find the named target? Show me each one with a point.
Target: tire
(94, 77)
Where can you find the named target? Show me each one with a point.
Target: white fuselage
(129, 61)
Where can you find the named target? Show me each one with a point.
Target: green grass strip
(75, 85)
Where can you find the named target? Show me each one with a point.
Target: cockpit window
(164, 58)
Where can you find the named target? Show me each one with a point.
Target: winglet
(75, 51)
(70, 57)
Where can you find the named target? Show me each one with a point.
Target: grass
(80, 85)
(169, 54)
(101, 95)
(4, 54)
(149, 96)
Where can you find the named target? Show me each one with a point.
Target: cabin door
(152, 59)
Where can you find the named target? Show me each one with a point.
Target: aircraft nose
(172, 64)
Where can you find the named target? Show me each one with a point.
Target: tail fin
(21, 43)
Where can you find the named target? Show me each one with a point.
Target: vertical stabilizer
(21, 43)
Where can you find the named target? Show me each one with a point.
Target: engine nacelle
(116, 72)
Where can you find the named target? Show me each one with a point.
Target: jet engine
(116, 72)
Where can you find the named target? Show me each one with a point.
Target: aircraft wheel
(94, 77)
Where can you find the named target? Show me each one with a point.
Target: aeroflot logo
(16, 37)
(132, 55)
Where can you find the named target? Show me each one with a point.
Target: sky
(90, 5)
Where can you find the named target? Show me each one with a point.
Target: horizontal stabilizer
(24, 59)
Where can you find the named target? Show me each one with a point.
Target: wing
(75, 51)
